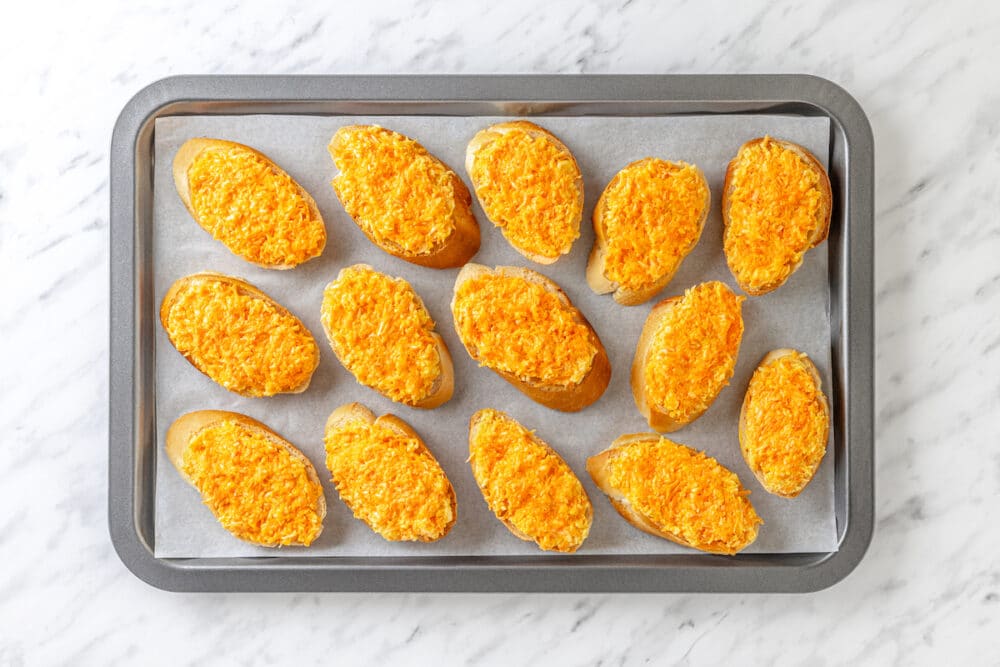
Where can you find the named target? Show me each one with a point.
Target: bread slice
(284, 364)
(260, 214)
(784, 422)
(764, 250)
(508, 336)
(526, 484)
(404, 199)
(674, 492)
(663, 232)
(251, 513)
(537, 202)
(385, 337)
(694, 381)
(387, 476)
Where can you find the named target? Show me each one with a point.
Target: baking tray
(132, 401)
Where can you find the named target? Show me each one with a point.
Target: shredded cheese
(775, 206)
(515, 326)
(526, 484)
(253, 207)
(530, 187)
(685, 493)
(786, 425)
(396, 191)
(248, 344)
(381, 332)
(255, 487)
(390, 481)
(693, 351)
(652, 219)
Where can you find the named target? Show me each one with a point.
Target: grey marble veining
(925, 72)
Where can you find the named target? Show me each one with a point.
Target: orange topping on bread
(526, 484)
(256, 488)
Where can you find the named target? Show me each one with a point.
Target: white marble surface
(929, 589)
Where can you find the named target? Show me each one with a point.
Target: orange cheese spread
(515, 326)
(253, 207)
(526, 484)
(693, 351)
(786, 425)
(396, 191)
(652, 219)
(381, 332)
(390, 481)
(256, 488)
(685, 493)
(775, 206)
(248, 344)
(530, 187)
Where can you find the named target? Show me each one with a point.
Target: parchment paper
(796, 315)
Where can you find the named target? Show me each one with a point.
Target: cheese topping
(515, 326)
(248, 344)
(652, 219)
(776, 203)
(381, 332)
(390, 481)
(255, 487)
(253, 207)
(686, 493)
(526, 484)
(693, 351)
(396, 191)
(530, 187)
(786, 425)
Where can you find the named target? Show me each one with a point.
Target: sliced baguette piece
(717, 338)
(664, 238)
(253, 369)
(247, 511)
(385, 199)
(672, 491)
(393, 483)
(568, 394)
(784, 429)
(526, 484)
(387, 339)
(773, 259)
(274, 225)
(538, 207)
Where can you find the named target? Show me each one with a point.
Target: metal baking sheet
(475, 564)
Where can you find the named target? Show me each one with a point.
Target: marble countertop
(927, 592)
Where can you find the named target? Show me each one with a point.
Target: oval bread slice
(238, 336)
(404, 199)
(382, 333)
(250, 204)
(526, 484)
(776, 205)
(686, 355)
(649, 217)
(784, 423)
(387, 477)
(529, 185)
(257, 484)
(523, 327)
(672, 491)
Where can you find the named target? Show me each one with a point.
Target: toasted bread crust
(565, 398)
(458, 247)
(596, 277)
(189, 152)
(186, 427)
(484, 137)
(244, 288)
(820, 232)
